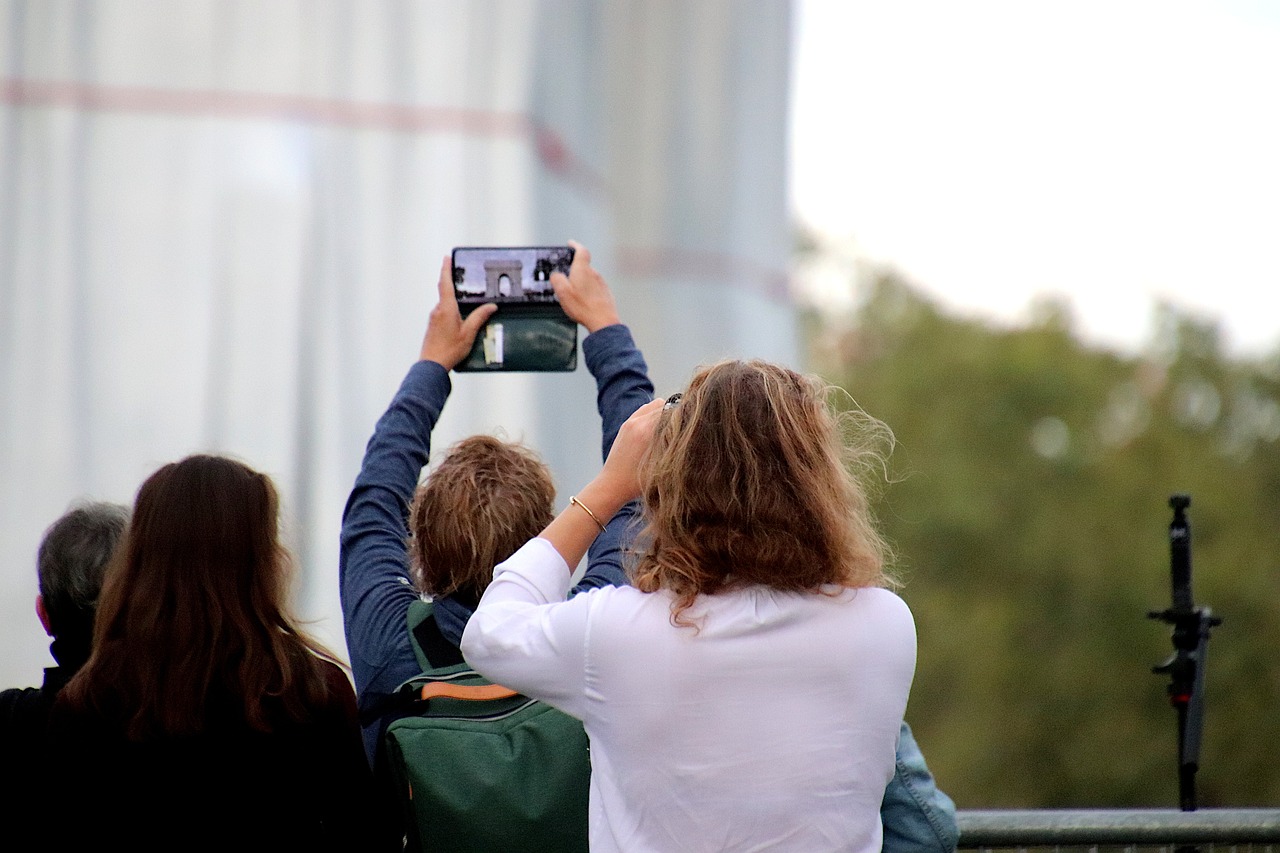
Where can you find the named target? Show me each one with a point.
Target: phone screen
(507, 276)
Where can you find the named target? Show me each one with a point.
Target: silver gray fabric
(221, 225)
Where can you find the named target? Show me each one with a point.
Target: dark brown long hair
(754, 478)
(191, 630)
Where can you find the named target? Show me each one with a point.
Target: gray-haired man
(72, 559)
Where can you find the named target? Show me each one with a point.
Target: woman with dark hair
(205, 717)
(747, 693)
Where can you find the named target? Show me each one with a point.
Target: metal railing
(1091, 828)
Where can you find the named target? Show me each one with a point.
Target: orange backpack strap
(471, 692)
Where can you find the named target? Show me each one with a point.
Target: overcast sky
(1113, 151)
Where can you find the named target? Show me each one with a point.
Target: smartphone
(529, 331)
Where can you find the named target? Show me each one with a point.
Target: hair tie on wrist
(573, 499)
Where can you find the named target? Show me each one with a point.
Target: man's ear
(43, 614)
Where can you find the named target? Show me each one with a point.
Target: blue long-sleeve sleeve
(622, 379)
(622, 386)
(373, 566)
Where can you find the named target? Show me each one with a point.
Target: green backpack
(479, 767)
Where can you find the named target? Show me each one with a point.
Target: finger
(638, 429)
(649, 410)
(647, 426)
(653, 409)
(446, 281)
(580, 254)
(559, 281)
(476, 319)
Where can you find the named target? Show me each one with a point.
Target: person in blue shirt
(487, 497)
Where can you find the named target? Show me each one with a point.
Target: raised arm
(573, 530)
(622, 386)
(622, 377)
(373, 571)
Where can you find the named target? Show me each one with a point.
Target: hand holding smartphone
(529, 331)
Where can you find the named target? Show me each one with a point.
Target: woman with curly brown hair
(747, 693)
(205, 717)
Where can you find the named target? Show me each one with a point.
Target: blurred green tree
(1028, 507)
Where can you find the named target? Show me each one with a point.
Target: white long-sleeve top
(771, 727)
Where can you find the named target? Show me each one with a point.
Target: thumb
(444, 288)
(477, 318)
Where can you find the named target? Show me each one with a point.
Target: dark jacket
(24, 716)
(302, 786)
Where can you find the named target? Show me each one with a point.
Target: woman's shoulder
(319, 695)
(871, 612)
(878, 602)
(340, 695)
(333, 674)
(623, 610)
(879, 597)
(625, 597)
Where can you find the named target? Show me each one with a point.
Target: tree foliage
(1029, 510)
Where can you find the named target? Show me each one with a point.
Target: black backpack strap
(433, 652)
(438, 651)
(430, 647)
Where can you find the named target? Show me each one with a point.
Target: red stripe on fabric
(552, 150)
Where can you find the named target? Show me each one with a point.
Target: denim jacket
(917, 816)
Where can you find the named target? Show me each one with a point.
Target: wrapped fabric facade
(221, 223)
